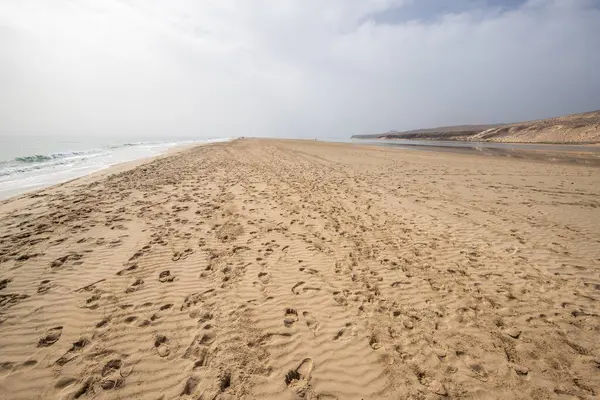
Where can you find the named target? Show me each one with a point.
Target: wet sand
(555, 153)
(301, 269)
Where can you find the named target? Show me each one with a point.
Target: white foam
(22, 176)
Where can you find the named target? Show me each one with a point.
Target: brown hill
(574, 128)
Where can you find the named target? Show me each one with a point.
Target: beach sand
(274, 269)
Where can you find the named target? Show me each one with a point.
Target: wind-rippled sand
(294, 269)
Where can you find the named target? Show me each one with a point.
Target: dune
(582, 128)
(274, 269)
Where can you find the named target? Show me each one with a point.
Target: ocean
(29, 163)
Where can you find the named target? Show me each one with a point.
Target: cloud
(299, 68)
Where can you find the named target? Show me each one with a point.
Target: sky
(291, 68)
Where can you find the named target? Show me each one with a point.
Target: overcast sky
(328, 68)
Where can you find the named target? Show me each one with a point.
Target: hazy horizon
(291, 68)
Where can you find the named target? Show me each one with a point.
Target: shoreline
(581, 128)
(573, 154)
(436, 139)
(480, 142)
(273, 269)
(533, 155)
(106, 170)
(558, 156)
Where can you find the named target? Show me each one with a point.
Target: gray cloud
(432, 10)
(291, 67)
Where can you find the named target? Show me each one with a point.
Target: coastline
(544, 155)
(17, 193)
(582, 128)
(264, 268)
(568, 154)
(435, 139)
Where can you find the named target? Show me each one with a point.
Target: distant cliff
(575, 128)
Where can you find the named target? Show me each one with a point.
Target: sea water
(28, 163)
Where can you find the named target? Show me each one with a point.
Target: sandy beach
(280, 269)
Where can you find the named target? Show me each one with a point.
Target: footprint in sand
(159, 314)
(136, 255)
(346, 332)
(204, 317)
(103, 323)
(135, 286)
(340, 298)
(311, 288)
(25, 257)
(201, 354)
(4, 283)
(198, 352)
(112, 383)
(311, 271)
(72, 352)
(112, 375)
(224, 381)
(190, 386)
(59, 262)
(374, 342)
(475, 367)
(207, 338)
(290, 317)
(161, 345)
(296, 287)
(111, 366)
(144, 323)
(264, 277)
(300, 375)
(311, 321)
(44, 286)
(195, 298)
(165, 276)
(9, 300)
(51, 337)
(128, 269)
(181, 255)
